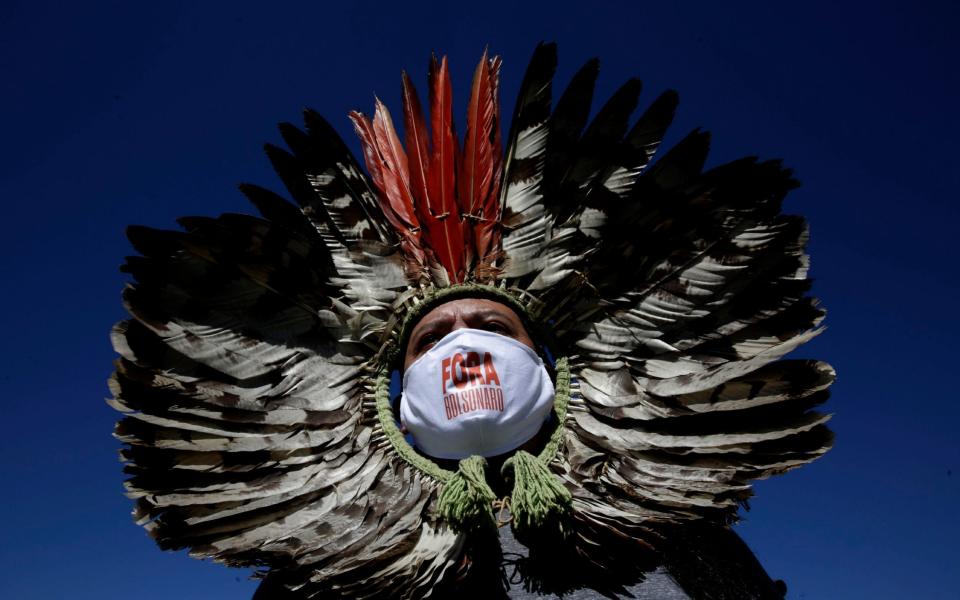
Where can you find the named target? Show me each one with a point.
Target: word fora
(464, 371)
(475, 382)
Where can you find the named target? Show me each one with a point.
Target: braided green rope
(561, 400)
(400, 445)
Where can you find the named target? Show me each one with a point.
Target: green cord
(561, 400)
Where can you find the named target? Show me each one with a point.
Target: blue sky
(123, 112)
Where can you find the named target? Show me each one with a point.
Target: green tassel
(538, 496)
(466, 501)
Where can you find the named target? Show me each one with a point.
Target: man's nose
(459, 323)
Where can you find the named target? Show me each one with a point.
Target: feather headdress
(253, 372)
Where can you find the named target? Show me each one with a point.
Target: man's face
(470, 313)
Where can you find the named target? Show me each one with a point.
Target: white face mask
(475, 392)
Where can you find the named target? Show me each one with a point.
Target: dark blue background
(128, 112)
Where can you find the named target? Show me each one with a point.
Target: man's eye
(427, 339)
(496, 327)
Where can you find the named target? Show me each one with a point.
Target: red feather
(441, 226)
(419, 156)
(396, 171)
(487, 229)
(389, 173)
(477, 168)
(448, 234)
(434, 193)
(364, 129)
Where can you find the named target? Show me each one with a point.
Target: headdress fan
(253, 374)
